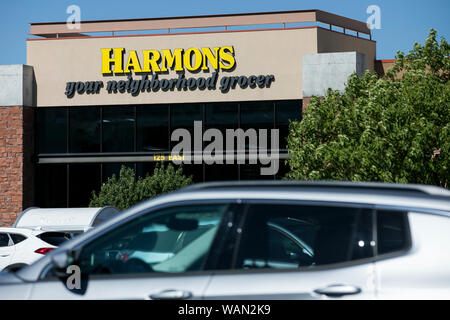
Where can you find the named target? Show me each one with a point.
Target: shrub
(126, 190)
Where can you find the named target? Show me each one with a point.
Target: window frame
(18, 234)
(9, 240)
(221, 237)
(409, 242)
(373, 211)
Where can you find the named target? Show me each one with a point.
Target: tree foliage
(393, 129)
(126, 190)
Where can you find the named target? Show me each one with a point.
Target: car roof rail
(297, 184)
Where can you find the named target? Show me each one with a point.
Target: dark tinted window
(52, 130)
(17, 238)
(221, 172)
(118, 129)
(286, 112)
(54, 238)
(51, 186)
(4, 240)
(153, 128)
(194, 170)
(145, 168)
(292, 236)
(183, 116)
(392, 231)
(257, 115)
(110, 169)
(84, 133)
(221, 116)
(83, 179)
(253, 172)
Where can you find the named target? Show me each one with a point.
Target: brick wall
(16, 166)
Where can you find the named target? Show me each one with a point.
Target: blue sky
(402, 22)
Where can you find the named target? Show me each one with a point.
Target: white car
(257, 240)
(20, 247)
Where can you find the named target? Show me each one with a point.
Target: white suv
(20, 247)
(257, 240)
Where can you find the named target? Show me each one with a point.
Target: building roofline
(56, 29)
(182, 17)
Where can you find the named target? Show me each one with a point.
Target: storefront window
(84, 133)
(253, 172)
(221, 172)
(152, 128)
(145, 168)
(183, 116)
(283, 169)
(51, 185)
(110, 169)
(194, 170)
(83, 179)
(144, 128)
(257, 115)
(287, 111)
(118, 129)
(221, 116)
(52, 130)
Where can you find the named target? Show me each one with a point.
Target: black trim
(408, 239)
(222, 248)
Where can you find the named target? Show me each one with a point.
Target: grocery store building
(110, 93)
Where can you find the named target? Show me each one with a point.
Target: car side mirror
(60, 260)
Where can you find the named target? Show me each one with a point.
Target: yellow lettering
(151, 58)
(192, 59)
(197, 59)
(117, 61)
(209, 56)
(227, 57)
(133, 61)
(169, 59)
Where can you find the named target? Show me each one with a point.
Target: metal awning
(64, 219)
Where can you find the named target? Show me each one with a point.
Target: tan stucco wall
(265, 52)
(276, 52)
(332, 41)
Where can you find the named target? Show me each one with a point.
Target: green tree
(393, 129)
(126, 190)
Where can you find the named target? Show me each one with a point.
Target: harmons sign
(156, 65)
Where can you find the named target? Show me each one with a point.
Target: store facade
(110, 94)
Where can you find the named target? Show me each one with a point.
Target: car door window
(292, 236)
(171, 240)
(4, 240)
(17, 238)
(392, 232)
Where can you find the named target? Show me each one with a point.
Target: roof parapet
(60, 29)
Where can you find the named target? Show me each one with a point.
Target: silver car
(257, 240)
